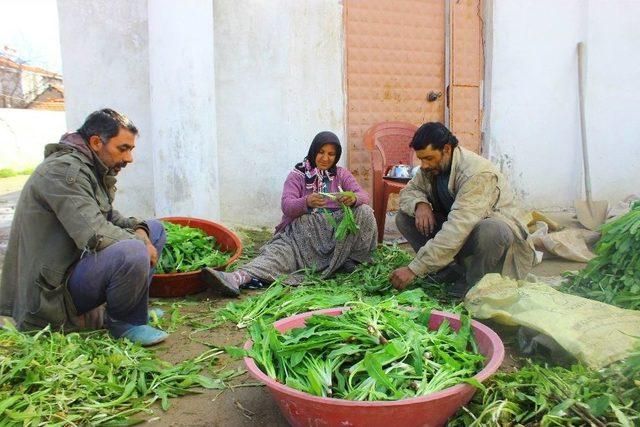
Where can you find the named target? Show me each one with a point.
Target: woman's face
(326, 157)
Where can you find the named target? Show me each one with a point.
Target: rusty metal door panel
(465, 104)
(395, 57)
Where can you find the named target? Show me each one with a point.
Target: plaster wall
(532, 127)
(183, 110)
(24, 133)
(105, 56)
(279, 81)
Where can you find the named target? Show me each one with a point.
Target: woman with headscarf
(304, 238)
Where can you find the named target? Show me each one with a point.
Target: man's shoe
(221, 281)
(450, 274)
(458, 289)
(145, 335)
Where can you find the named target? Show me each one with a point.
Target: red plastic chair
(388, 143)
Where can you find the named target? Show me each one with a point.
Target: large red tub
(181, 284)
(302, 409)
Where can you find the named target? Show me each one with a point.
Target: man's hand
(347, 199)
(315, 200)
(401, 277)
(425, 219)
(153, 253)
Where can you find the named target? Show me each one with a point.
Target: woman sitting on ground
(304, 238)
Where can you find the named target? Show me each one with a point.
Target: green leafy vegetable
(613, 276)
(189, 249)
(541, 395)
(49, 378)
(367, 353)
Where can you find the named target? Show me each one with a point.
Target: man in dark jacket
(69, 251)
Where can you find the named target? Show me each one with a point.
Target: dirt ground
(245, 403)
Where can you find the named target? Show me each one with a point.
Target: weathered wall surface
(183, 109)
(105, 58)
(24, 133)
(279, 71)
(532, 126)
(224, 112)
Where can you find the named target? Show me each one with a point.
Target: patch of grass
(8, 172)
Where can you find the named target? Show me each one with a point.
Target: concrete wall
(24, 133)
(105, 62)
(279, 68)
(532, 126)
(227, 94)
(183, 108)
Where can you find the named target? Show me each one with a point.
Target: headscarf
(314, 177)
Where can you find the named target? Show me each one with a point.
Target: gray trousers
(119, 275)
(483, 252)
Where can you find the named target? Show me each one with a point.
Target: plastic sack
(595, 333)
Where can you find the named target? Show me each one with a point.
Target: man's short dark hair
(106, 124)
(433, 134)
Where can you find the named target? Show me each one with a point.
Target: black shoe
(220, 281)
(349, 266)
(450, 274)
(458, 289)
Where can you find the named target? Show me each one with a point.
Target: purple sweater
(294, 195)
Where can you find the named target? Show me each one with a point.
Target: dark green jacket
(64, 213)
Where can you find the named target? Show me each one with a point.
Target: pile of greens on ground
(540, 395)
(613, 276)
(49, 378)
(189, 249)
(314, 293)
(371, 352)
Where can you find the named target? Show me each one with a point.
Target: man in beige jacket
(460, 217)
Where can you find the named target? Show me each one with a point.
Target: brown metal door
(395, 69)
(395, 57)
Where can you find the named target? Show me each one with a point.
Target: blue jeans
(119, 275)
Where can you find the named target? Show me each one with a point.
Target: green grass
(8, 172)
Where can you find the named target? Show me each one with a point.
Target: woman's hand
(347, 199)
(315, 200)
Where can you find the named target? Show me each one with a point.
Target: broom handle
(583, 121)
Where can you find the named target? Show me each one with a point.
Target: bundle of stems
(347, 223)
(48, 378)
(540, 395)
(613, 276)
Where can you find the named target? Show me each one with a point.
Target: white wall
(279, 68)
(24, 133)
(183, 108)
(227, 94)
(532, 126)
(105, 62)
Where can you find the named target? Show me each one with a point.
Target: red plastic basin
(303, 409)
(181, 284)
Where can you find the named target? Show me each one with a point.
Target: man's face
(435, 161)
(117, 152)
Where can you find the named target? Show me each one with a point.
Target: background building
(229, 93)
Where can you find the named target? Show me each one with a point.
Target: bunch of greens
(613, 276)
(189, 249)
(540, 395)
(348, 222)
(49, 378)
(371, 352)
